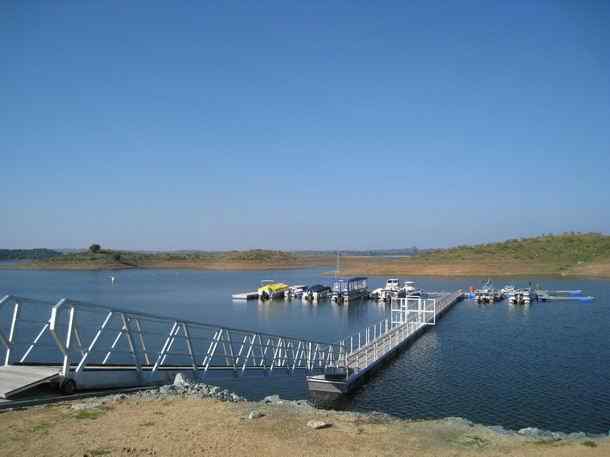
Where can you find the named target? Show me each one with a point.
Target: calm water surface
(546, 365)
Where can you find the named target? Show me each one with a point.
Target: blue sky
(302, 125)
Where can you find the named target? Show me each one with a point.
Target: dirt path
(207, 427)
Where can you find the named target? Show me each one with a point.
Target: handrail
(206, 345)
(153, 316)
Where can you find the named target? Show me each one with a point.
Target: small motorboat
(316, 292)
(270, 290)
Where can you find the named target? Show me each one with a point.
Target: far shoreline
(352, 266)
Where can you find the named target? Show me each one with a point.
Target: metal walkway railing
(408, 316)
(78, 336)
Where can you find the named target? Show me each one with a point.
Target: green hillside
(564, 249)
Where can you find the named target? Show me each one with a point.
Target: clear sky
(302, 125)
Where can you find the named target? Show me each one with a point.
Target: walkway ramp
(16, 379)
(100, 347)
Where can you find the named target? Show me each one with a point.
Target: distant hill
(260, 259)
(577, 254)
(363, 252)
(567, 248)
(28, 254)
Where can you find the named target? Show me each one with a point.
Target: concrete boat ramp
(81, 347)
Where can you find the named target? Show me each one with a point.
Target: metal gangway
(81, 346)
(369, 349)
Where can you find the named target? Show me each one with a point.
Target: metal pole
(93, 342)
(141, 338)
(11, 335)
(132, 347)
(66, 365)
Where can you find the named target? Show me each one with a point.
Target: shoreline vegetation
(569, 254)
(220, 423)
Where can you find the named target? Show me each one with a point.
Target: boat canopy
(273, 287)
(318, 288)
(349, 284)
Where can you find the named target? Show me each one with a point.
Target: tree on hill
(95, 248)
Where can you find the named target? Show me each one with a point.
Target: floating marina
(366, 352)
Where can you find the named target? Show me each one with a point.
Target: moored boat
(295, 291)
(344, 290)
(271, 290)
(486, 293)
(316, 292)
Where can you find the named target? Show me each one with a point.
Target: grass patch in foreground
(43, 427)
(90, 414)
(589, 443)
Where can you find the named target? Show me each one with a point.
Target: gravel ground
(193, 419)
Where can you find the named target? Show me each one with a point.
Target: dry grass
(373, 266)
(211, 428)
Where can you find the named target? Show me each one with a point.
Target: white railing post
(11, 335)
(141, 339)
(132, 347)
(66, 365)
(189, 344)
(3, 337)
(83, 359)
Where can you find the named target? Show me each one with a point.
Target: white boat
(391, 290)
(376, 294)
(392, 284)
(507, 290)
(522, 297)
(295, 291)
(271, 289)
(316, 292)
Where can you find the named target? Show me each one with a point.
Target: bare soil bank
(350, 266)
(208, 427)
(212, 265)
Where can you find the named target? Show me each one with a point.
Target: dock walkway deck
(377, 344)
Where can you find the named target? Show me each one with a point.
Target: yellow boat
(272, 290)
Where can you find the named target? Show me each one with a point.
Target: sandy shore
(153, 425)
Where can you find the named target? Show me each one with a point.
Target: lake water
(545, 366)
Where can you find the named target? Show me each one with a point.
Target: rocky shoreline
(186, 388)
(194, 419)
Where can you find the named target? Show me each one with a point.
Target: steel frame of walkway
(98, 346)
(95, 346)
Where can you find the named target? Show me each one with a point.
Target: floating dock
(246, 296)
(369, 350)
